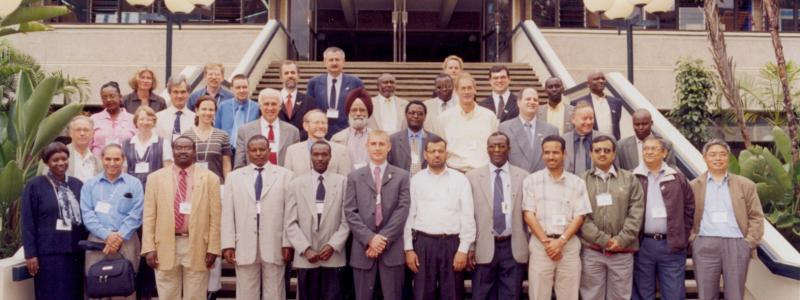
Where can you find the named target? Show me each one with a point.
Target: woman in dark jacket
(52, 228)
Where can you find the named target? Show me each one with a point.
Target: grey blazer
(521, 154)
(303, 232)
(480, 180)
(628, 154)
(288, 136)
(239, 227)
(298, 159)
(359, 209)
(569, 156)
(400, 155)
(568, 111)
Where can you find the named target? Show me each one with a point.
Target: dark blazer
(400, 155)
(510, 111)
(302, 105)
(318, 89)
(679, 203)
(359, 209)
(616, 111)
(39, 216)
(521, 154)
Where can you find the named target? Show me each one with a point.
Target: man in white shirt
(82, 162)
(440, 227)
(279, 133)
(389, 109)
(176, 118)
(444, 100)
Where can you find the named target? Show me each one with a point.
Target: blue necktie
(176, 127)
(259, 185)
(499, 217)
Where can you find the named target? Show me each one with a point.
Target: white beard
(357, 124)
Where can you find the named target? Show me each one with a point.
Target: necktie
(378, 206)
(180, 196)
(500, 106)
(320, 198)
(238, 119)
(415, 166)
(176, 127)
(259, 184)
(444, 106)
(529, 132)
(289, 105)
(273, 156)
(580, 156)
(332, 98)
(499, 217)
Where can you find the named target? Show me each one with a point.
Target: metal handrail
(545, 52)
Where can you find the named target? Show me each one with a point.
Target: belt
(435, 236)
(498, 238)
(554, 236)
(182, 234)
(609, 252)
(656, 236)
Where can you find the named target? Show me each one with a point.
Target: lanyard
(65, 213)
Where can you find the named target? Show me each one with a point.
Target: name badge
(102, 207)
(320, 207)
(604, 199)
(332, 113)
(185, 208)
(659, 212)
(559, 220)
(719, 217)
(63, 226)
(505, 208)
(202, 164)
(142, 167)
(258, 207)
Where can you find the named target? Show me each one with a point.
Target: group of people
(383, 197)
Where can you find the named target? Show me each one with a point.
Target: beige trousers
(543, 272)
(180, 278)
(251, 278)
(606, 277)
(130, 250)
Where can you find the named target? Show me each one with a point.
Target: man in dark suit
(376, 207)
(294, 104)
(403, 155)
(528, 132)
(607, 108)
(501, 101)
(329, 90)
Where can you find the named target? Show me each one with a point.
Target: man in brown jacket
(669, 209)
(728, 225)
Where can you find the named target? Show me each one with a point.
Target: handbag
(110, 277)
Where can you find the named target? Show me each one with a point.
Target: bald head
(597, 82)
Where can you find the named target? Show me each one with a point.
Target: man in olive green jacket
(610, 234)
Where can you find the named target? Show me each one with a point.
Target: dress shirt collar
(239, 103)
(638, 141)
(123, 114)
(358, 133)
(265, 124)
(505, 95)
(710, 178)
(445, 172)
(387, 100)
(153, 139)
(264, 166)
(465, 114)
(532, 121)
(185, 110)
(559, 106)
(382, 166)
(602, 174)
(420, 134)
(285, 92)
(599, 98)
(315, 175)
(504, 167)
(338, 78)
(189, 170)
(644, 171)
(104, 177)
(577, 136)
(447, 104)
(559, 178)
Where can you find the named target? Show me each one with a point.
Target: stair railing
(273, 43)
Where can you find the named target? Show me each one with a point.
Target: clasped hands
(376, 246)
(323, 254)
(113, 243)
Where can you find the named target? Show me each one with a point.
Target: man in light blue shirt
(236, 111)
(111, 205)
(214, 74)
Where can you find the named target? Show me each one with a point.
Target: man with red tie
(279, 133)
(294, 104)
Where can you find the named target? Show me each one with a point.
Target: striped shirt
(212, 149)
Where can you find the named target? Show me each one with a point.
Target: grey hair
(660, 140)
(176, 80)
(78, 118)
(269, 93)
(331, 50)
(713, 142)
(386, 76)
(111, 146)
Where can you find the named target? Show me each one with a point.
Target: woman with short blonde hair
(143, 82)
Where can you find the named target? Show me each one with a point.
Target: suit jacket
(434, 110)
(510, 110)
(158, 224)
(746, 206)
(614, 103)
(481, 182)
(399, 105)
(359, 209)
(568, 111)
(302, 104)
(298, 159)
(318, 89)
(400, 155)
(39, 214)
(333, 230)
(288, 135)
(569, 156)
(240, 230)
(628, 154)
(521, 154)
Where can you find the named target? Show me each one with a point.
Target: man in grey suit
(500, 251)
(556, 112)
(528, 132)
(317, 227)
(407, 144)
(630, 148)
(259, 250)
(376, 207)
(298, 159)
(279, 133)
(579, 140)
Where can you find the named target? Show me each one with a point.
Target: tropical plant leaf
(37, 106)
(51, 127)
(26, 27)
(783, 144)
(34, 13)
(733, 164)
(24, 86)
(11, 184)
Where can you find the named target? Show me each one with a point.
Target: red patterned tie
(289, 105)
(273, 156)
(180, 196)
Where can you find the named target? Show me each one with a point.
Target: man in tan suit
(181, 224)
(445, 99)
(728, 225)
(389, 109)
(298, 158)
(501, 246)
(257, 246)
(317, 227)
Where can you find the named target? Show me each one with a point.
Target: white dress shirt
(274, 145)
(444, 106)
(166, 121)
(466, 135)
(141, 148)
(496, 98)
(602, 114)
(441, 204)
(388, 110)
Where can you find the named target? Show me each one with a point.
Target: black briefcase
(110, 277)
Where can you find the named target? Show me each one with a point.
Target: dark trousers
(655, 261)
(379, 280)
(319, 284)
(60, 277)
(436, 278)
(501, 278)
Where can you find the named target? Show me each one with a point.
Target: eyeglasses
(601, 150)
(653, 149)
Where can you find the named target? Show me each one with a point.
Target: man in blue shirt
(214, 74)
(238, 110)
(111, 205)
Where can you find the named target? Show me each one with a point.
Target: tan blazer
(399, 105)
(158, 229)
(239, 226)
(746, 206)
(480, 180)
(333, 229)
(298, 159)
